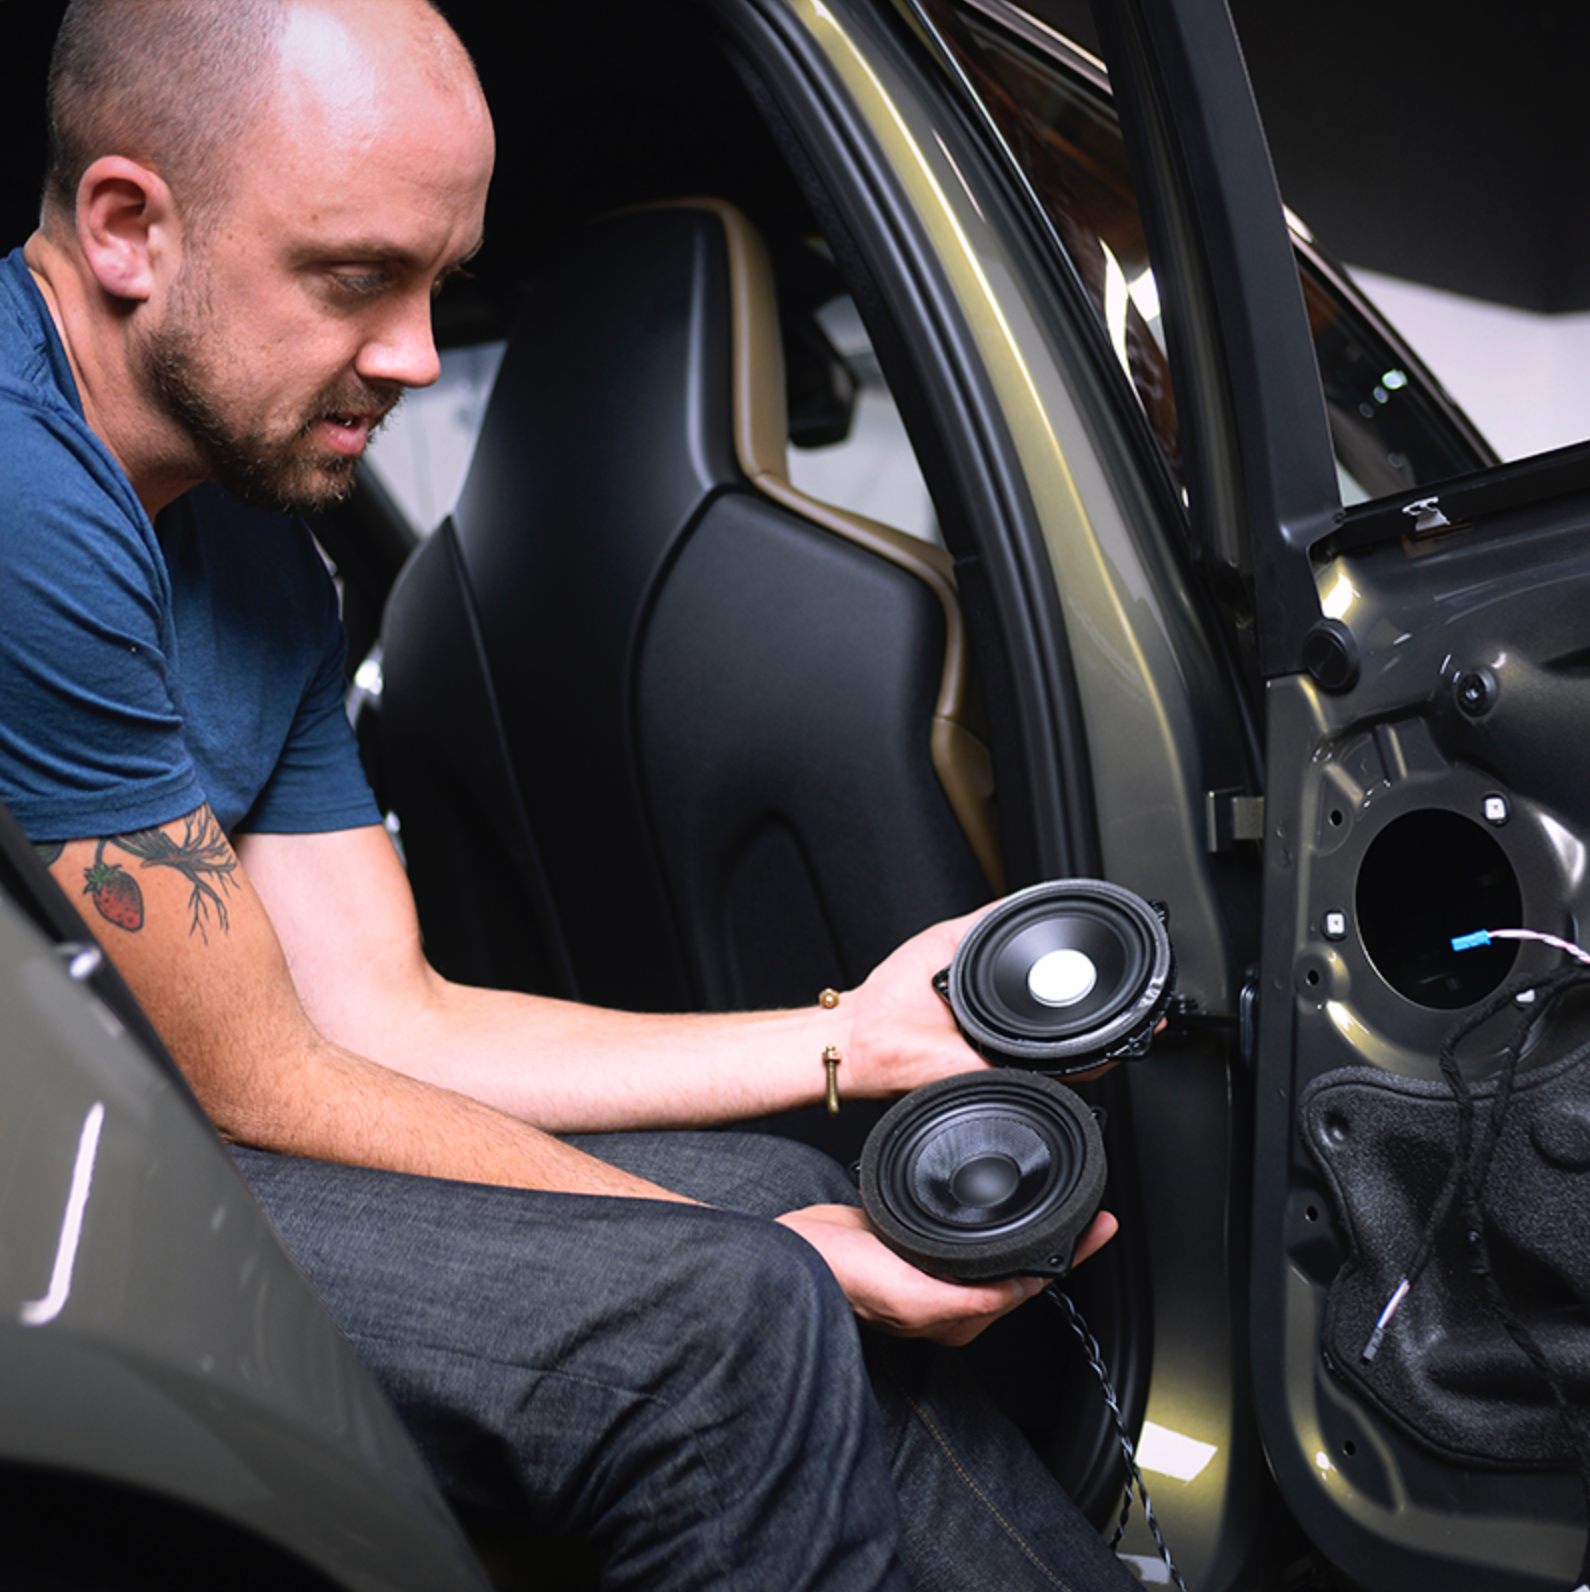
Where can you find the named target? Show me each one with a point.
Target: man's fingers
(1104, 1227)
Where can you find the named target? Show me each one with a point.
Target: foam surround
(1062, 977)
(985, 1175)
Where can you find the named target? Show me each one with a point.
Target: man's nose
(404, 348)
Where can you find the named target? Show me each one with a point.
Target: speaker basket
(1062, 977)
(985, 1175)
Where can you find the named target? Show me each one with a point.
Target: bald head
(362, 73)
(179, 85)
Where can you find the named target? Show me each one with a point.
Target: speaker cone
(1062, 977)
(985, 1175)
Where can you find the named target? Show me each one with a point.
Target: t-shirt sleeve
(90, 737)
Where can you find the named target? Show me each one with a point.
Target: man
(249, 209)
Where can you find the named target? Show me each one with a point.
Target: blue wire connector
(1471, 942)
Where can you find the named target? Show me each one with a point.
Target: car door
(1113, 722)
(1417, 1319)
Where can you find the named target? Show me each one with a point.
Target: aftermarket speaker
(997, 1174)
(1062, 977)
(984, 1175)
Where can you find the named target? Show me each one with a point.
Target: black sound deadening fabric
(1446, 1369)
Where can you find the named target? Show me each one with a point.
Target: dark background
(1446, 144)
(1440, 143)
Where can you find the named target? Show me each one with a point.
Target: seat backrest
(696, 739)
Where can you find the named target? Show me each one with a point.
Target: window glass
(872, 470)
(1388, 432)
(422, 452)
(1388, 429)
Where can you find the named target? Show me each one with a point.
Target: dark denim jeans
(684, 1386)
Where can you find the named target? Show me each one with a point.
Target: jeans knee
(772, 1284)
(779, 1328)
(761, 1174)
(762, 1435)
(798, 1175)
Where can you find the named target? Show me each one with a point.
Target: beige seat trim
(761, 436)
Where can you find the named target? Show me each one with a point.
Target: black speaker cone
(985, 1175)
(1062, 977)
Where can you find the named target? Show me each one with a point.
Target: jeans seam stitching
(976, 1491)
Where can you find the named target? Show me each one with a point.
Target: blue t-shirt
(143, 674)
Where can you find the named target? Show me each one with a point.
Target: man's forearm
(346, 921)
(570, 1069)
(328, 1104)
(186, 929)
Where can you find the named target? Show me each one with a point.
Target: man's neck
(93, 334)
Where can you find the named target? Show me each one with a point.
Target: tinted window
(1051, 105)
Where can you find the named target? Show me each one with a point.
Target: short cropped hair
(176, 85)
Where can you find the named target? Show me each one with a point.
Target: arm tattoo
(203, 857)
(49, 851)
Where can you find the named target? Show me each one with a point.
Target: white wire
(1466, 942)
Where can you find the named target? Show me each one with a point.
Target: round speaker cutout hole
(1428, 878)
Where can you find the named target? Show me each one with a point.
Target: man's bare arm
(180, 918)
(342, 906)
(266, 1036)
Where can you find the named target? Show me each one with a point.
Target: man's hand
(900, 1033)
(892, 1295)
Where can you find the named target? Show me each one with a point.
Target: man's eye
(359, 283)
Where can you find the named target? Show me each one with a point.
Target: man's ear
(126, 223)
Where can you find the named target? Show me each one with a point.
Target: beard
(284, 469)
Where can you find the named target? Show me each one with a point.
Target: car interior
(660, 721)
(659, 728)
(738, 717)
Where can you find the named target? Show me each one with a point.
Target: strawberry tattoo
(115, 894)
(203, 856)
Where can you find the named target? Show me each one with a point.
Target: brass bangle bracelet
(829, 999)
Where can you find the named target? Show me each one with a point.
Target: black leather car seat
(662, 732)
